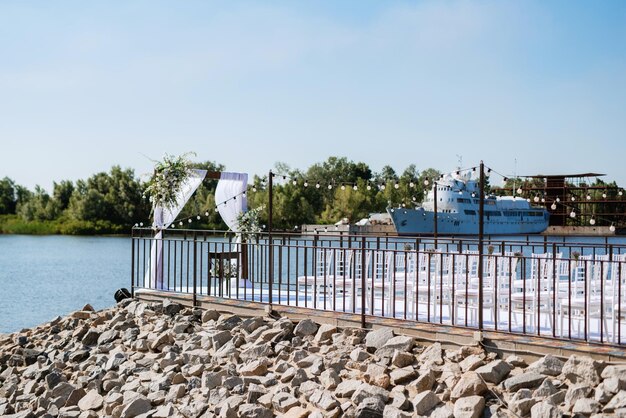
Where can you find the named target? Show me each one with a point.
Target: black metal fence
(559, 289)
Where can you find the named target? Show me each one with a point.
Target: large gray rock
(432, 355)
(377, 338)
(617, 402)
(325, 332)
(548, 365)
(329, 379)
(469, 407)
(252, 324)
(579, 369)
(528, 380)
(402, 376)
(370, 408)
(91, 401)
(210, 315)
(470, 384)
(365, 390)
(248, 410)
(618, 370)
(425, 401)
(391, 411)
(346, 388)
(139, 405)
(574, 393)
(494, 372)
(284, 401)
(586, 406)
(171, 308)
(545, 409)
(323, 400)
(91, 337)
(400, 343)
(305, 327)
(402, 359)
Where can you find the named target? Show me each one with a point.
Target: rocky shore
(162, 360)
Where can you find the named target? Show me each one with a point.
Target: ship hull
(421, 222)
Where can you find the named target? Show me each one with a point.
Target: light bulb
(317, 185)
(536, 198)
(172, 225)
(189, 220)
(136, 225)
(620, 193)
(330, 186)
(411, 184)
(604, 195)
(519, 190)
(543, 200)
(426, 182)
(573, 199)
(180, 223)
(397, 186)
(140, 223)
(588, 197)
(206, 213)
(572, 214)
(306, 184)
(612, 228)
(343, 187)
(294, 182)
(382, 187)
(553, 207)
(355, 187)
(369, 187)
(592, 221)
(198, 217)
(558, 199)
(254, 189)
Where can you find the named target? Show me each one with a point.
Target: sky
(530, 87)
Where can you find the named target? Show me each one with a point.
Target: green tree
(62, 193)
(39, 207)
(8, 196)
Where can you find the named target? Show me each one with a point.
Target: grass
(13, 224)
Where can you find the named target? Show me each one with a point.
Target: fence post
(132, 264)
(363, 280)
(195, 268)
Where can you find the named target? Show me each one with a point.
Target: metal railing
(555, 289)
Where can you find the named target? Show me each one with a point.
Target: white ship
(458, 212)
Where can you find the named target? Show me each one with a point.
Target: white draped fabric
(163, 218)
(230, 198)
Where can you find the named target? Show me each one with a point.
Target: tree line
(112, 202)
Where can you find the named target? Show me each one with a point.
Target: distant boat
(458, 212)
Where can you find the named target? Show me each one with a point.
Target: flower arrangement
(167, 179)
(249, 224)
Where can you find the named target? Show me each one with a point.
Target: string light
(330, 186)
(558, 199)
(189, 220)
(317, 185)
(180, 223)
(198, 217)
(588, 197)
(411, 185)
(612, 228)
(206, 213)
(306, 184)
(294, 182)
(369, 186)
(572, 214)
(343, 187)
(519, 190)
(355, 187)
(592, 221)
(426, 182)
(536, 199)
(604, 195)
(396, 185)
(553, 207)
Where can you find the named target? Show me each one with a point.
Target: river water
(45, 276)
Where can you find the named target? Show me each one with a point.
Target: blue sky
(86, 85)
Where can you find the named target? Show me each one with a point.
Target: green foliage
(8, 196)
(249, 224)
(168, 177)
(39, 207)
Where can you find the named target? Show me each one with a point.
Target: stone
(54, 378)
(114, 361)
(284, 401)
(545, 409)
(299, 377)
(370, 408)
(574, 393)
(515, 361)
(521, 402)
(247, 410)
(377, 338)
(164, 411)
(226, 350)
(254, 368)
(62, 390)
(617, 402)
(81, 314)
(107, 337)
(366, 390)
(528, 380)
(324, 400)
(79, 356)
(139, 405)
(401, 359)
(346, 388)
(586, 406)
(471, 362)
(400, 343)
(228, 323)
(91, 337)
(296, 412)
(579, 369)
(469, 407)
(494, 372)
(91, 401)
(255, 392)
(252, 324)
(391, 411)
(374, 370)
(545, 389)
(469, 384)
(432, 355)
(75, 396)
(442, 411)
(329, 379)
(359, 355)
(325, 332)
(257, 351)
(165, 338)
(220, 338)
(210, 315)
(305, 327)
(212, 380)
(548, 365)
(618, 371)
(425, 401)
(402, 376)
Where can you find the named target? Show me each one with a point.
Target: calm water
(42, 277)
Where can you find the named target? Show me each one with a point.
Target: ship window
(470, 212)
(463, 200)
